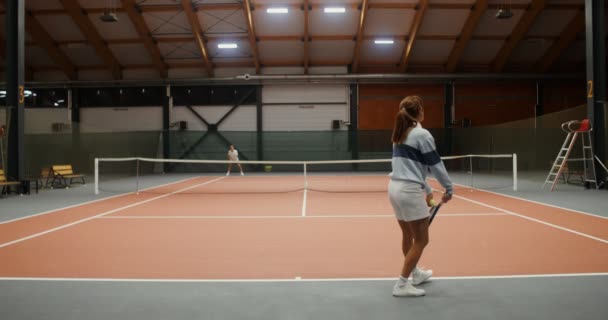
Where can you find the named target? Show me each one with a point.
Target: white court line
(105, 213)
(546, 204)
(535, 220)
(297, 217)
(528, 200)
(299, 279)
(304, 203)
(93, 201)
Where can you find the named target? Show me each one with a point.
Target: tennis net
(122, 175)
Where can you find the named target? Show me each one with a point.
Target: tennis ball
(432, 203)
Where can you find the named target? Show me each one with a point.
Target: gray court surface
(566, 298)
(552, 298)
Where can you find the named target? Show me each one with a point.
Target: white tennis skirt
(408, 200)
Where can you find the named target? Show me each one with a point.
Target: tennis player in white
(233, 155)
(414, 153)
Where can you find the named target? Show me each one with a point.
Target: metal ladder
(564, 153)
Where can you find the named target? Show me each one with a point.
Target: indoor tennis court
(232, 159)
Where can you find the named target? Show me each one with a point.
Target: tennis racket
(433, 211)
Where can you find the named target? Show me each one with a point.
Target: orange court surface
(198, 229)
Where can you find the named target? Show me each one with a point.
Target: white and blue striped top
(412, 159)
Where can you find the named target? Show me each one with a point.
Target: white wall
(121, 119)
(39, 121)
(242, 119)
(310, 114)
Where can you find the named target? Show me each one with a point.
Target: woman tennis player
(414, 153)
(233, 155)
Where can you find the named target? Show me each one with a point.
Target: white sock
(402, 281)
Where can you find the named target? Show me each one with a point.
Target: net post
(471, 169)
(96, 170)
(305, 177)
(515, 172)
(137, 176)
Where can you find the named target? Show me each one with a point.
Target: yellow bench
(5, 184)
(63, 175)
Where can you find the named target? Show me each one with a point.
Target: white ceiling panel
(529, 51)
(388, 21)
(37, 56)
(453, 1)
(121, 29)
(489, 25)
(127, 54)
(184, 61)
(179, 50)
(279, 24)
(428, 51)
(140, 74)
(551, 22)
(82, 55)
(222, 21)
(332, 51)
(574, 54)
(566, 1)
(507, 2)
(276, 3)
(394, 1)
(481, 51)
(443, 22)
(60, 27)
(94, 75)
(167, 23)
(381, 53)
(43, 4)
(321, 23)
(281, 51)
(99, 3)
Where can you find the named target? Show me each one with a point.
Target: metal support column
(15, 90)
(448, 117)
(259, 106)
(539, 109)
(74, 106)
(595, 23)
(166, 126)
(353, 128)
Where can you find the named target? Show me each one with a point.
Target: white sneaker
(227, 173)
(407, 290)
(419, 276)
(242, 173)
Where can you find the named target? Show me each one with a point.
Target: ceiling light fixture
(227, 46)
(109, 14)
(334, 10)
(277, 10)
(384, 41)
(504, 10)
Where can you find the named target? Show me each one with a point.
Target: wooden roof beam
(29, 72)
(306, 36)
(414, 29)
(195, 25)
(519, 32)
(92, 35)
(362, 18)
(39, 34)
(466, 34)
(144, 33)
(568, 35)
(252, 37)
